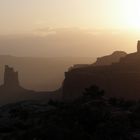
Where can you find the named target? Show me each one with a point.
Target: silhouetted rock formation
(78, 66)
(36, 72)
(120, 79)
(138, 46)
(10, 77)
(11, 81)
(101, 61)
(108, 60)
(11, 91)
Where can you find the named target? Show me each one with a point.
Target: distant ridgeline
(118, 74)
(119, 79)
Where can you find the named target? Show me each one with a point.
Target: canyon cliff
(120, 79)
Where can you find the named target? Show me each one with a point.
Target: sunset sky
(51, 17)
(17, 16)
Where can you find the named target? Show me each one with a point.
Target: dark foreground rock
(91, 117)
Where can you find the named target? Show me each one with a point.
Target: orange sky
(24, 16)
(63, 27)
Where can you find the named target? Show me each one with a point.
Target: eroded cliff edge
(120, 79)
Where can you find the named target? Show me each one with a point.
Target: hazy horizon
(68, 42)
(81, 28)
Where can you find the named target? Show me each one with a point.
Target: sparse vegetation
(91, 117)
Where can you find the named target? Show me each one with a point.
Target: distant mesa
(118, 74)
(11, 91)
(119, 78)
(11, 77)
(11, 81)
(108, 60)
(101, 61)
(138, 47)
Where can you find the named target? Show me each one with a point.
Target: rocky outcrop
(103, 61)
(11, 82)
(11, 91)
(108, 60)
(10, 77)
(40, 73)
(120, 79)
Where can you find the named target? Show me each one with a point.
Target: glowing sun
(131, 10)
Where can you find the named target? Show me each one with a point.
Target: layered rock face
(121, 79)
